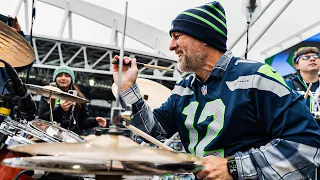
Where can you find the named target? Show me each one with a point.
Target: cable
(4, 86)
(246, 54)
(27, 172)
(31, 35)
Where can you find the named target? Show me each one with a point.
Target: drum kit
(43, 145)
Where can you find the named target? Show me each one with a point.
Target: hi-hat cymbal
(111, 141)
(14, 49)
(55, 93)
(114, 150)
(84, 165)
(154, 93)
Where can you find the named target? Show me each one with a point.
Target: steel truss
(93, 58)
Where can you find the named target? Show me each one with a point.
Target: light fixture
(91, 82)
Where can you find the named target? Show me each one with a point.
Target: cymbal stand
(51, 114)
(115, 112)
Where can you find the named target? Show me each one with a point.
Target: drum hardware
(11, 127)
(55, 131)
(14, 140)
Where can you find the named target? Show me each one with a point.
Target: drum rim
(72, 134)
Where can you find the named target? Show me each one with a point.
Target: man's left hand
(15, 25)
(215, 168)
(101, 121)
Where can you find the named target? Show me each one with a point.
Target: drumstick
(307, 92)
(147, 137)
(141, 65)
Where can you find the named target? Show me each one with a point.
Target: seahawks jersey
(242, 104)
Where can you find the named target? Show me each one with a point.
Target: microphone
(25, 103)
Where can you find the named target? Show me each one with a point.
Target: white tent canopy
(283, 24)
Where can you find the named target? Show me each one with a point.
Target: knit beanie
(64, 69)
(206, 23)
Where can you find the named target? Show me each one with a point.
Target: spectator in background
(70, 116)
(307, 62)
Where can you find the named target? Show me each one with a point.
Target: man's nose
(173, 45)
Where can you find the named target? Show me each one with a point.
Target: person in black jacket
(307, 62)
(71, 116)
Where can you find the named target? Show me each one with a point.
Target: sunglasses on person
(307, 57)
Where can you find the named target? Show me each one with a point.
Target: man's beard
(192, 62)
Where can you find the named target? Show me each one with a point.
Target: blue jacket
(302, 87)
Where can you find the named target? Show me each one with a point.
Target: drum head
(56, 131)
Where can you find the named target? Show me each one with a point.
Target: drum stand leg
(108, 177)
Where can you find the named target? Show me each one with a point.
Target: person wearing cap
(73, 119)
(238, 114)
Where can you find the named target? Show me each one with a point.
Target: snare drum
(22, 131)
(55, 131)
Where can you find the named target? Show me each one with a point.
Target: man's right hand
(129, 73)
(66, 105)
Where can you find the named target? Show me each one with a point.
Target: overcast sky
(159, 13)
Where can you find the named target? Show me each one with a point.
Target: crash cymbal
(55, 93)
(14, 49)
(83, 165)
(154, 93)
(114, 150)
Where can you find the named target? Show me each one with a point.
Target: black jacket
(81, 116)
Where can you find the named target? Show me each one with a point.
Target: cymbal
(104, 141)
(83, 165)
(110, 141)
(114, 150)
(155, 92)
(55, 93)
(14, 49)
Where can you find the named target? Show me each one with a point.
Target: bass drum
(55, 131)
(8, 173)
